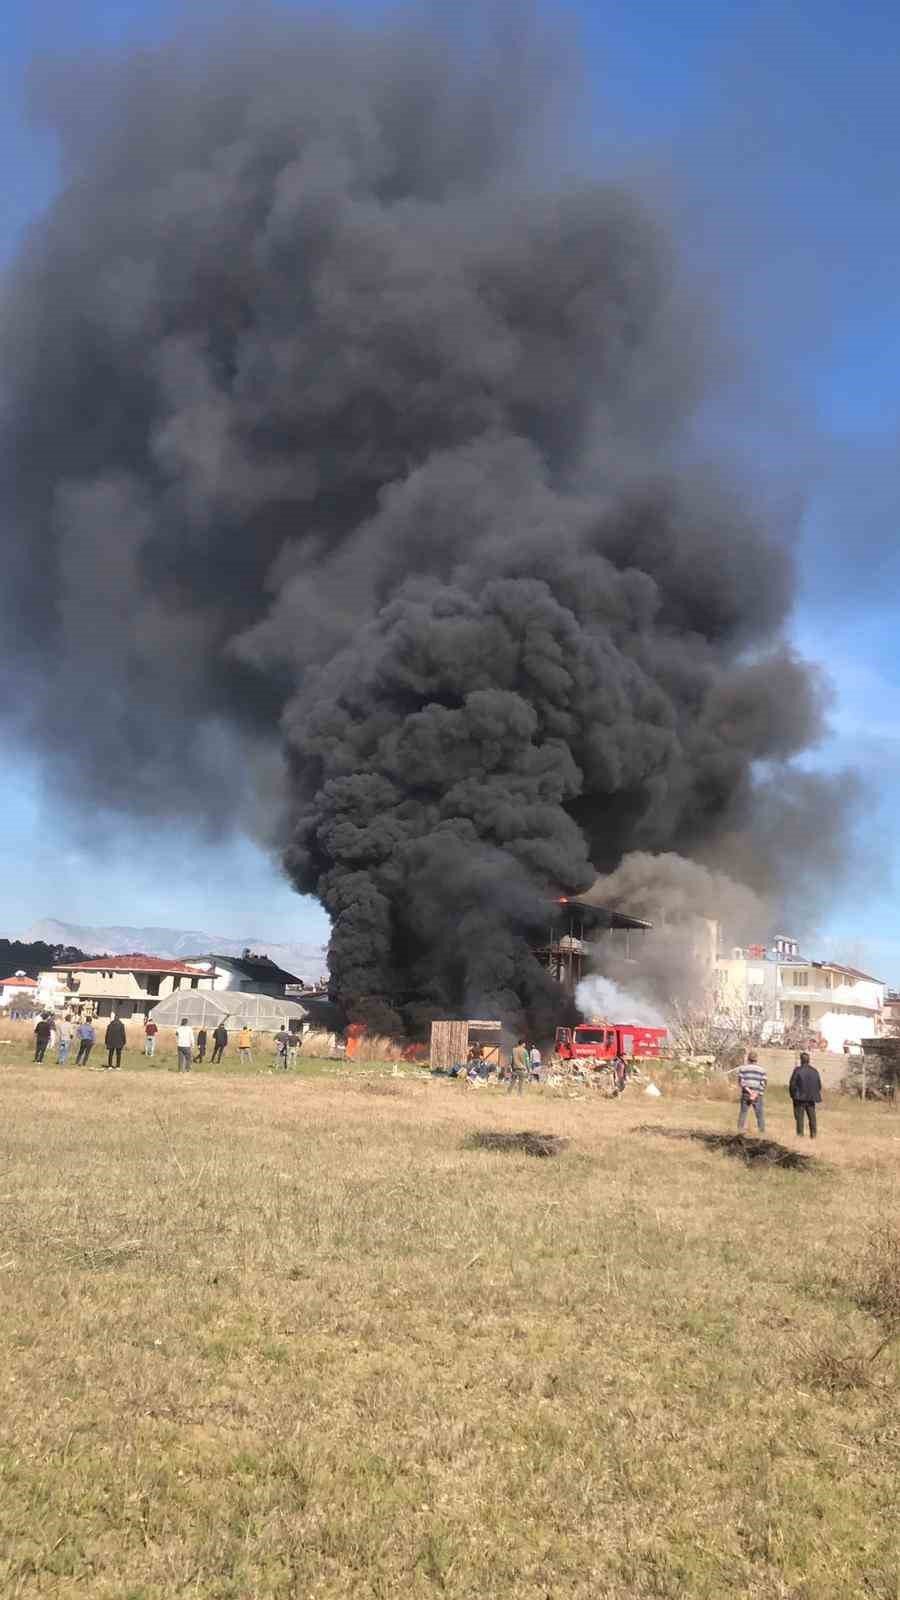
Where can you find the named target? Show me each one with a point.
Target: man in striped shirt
(752, 1084)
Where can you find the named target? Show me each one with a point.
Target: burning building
(382, 434)
(580, 934)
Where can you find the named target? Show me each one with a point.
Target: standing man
(220, 1042)
(201, 1047)
(42, 1031)
(150, 1032)
(245, 1042)
(184, 1042)
(752, 1084)
(805, 1090)
(115, 1042)
(620, 1073)
(86, 1037)
(283, 1044)
(63, 1040)
(519, 1068)
(536, 1063)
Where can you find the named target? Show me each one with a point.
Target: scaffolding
(576, 924)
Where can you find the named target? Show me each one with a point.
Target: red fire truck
(596, 1042)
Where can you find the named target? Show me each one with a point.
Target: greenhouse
(207, 1008)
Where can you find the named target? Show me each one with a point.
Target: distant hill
(304, 960)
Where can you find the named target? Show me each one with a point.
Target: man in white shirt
(63, 1040)
(184, 1040)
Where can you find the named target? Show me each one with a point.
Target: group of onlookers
(64, 1031)
(805, 1090)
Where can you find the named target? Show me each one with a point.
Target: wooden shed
(451, 1042)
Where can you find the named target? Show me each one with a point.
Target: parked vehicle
(595, 1042)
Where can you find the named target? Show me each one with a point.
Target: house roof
(259, 969)
(849, 972)
(20, 983)
(589, 908)
(133, 963)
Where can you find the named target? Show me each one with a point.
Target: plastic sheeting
(207, 1008)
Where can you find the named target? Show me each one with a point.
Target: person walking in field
(282, 1046)
(184, 1043)
(86, 1037)
(63, 1041)
(752, 1082)
(245, 1044)
(805, 1090)
(42, 1031)
(150, 1033)
(115, 1041)
(220, 1042)
(519, 1068)
(200, 1057)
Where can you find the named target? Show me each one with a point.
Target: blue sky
(771, 135)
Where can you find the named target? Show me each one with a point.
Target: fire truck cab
(595, 1042)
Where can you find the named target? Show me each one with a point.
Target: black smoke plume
(351, 493)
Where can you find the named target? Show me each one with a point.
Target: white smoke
(600, 997)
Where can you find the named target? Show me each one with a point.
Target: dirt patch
(531, 1144)
(752, 1151)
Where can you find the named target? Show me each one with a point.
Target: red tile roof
(132, 963)
(20, 983)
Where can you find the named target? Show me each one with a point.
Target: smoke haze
(612, 1002)
(349, 498)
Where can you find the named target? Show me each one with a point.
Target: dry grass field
(286, 1336)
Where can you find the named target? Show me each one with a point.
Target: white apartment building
(840, 1003)
(780, 992)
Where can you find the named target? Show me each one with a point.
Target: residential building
(127, 985)
(247, 974)
(746, 989)
(784, 994)
(840, 1003)
(891, 1013)
(14, 988)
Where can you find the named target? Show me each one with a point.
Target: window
(195, 983)
(801, 980)
(801, 1015)
(153, 985)
(176, 982)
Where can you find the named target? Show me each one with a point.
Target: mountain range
(303, 960)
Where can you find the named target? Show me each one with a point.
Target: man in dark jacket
(114, 1039)
(201, 1046)
(805, 1089)
(42, 1031)
(220, 1041)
